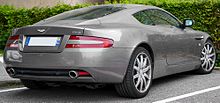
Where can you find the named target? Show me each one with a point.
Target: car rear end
(62, 54)
(69, 47)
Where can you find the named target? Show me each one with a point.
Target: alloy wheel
(142, 72)
(208, 57)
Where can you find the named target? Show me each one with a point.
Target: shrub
(218, 61)
(11, 17)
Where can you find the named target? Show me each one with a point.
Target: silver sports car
(125, 45)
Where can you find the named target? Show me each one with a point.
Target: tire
(31, 84)
(209, 57)
(128, 87)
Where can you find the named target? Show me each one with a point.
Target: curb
(10, 83)
(217, 68)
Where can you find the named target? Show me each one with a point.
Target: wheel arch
(147, 47)
(209, 38)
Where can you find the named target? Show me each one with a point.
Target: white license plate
(42, 41)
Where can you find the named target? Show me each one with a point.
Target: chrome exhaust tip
(11, 71)
(73, 74)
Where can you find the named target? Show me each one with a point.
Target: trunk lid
(32, 38)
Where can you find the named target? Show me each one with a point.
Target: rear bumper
(106, 65)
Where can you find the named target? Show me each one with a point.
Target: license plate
(42, 41)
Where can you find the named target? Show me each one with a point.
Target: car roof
(122, 16)
(128, 6)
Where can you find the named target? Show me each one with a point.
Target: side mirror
(188, 23)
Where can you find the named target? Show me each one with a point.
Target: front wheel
(208, 58)
(138, 79)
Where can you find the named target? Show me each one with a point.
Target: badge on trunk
(41, 30)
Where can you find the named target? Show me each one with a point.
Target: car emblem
(41, 30)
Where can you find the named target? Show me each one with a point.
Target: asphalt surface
(162, 88)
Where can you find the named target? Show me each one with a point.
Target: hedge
(11, 17)
(218, 61)
(206, 14)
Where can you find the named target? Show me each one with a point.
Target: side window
(162, 18)
(143, 18)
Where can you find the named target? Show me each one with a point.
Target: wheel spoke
(203, 58)
(141, 86)
(203, 64)
(211, 55)
(142, 60)
(207, 48)
(206, 65)
(138, 61)
(209, 63)
(135, 76)
(145, 62)
(145, 82)
(210, 50)
(203, 52)
(145, 75)
(138, 82)
(146, 69)
(136, 68)
(210, 60)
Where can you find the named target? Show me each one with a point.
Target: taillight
(16, 37)
(88, 42)
(14, 40)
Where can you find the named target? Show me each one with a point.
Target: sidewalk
(4, 77)
(1, 59)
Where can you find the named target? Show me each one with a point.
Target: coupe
(126, 45)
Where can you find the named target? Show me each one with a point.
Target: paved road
(168, 87)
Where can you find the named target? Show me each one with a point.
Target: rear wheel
(208, 58)
(31, 84)
(138, 79)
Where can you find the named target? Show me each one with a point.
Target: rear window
(92, 13)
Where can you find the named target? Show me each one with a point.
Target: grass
(164, 1)
(1, 52)
(218, 60)
(10, 84)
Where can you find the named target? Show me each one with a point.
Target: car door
(180, 44)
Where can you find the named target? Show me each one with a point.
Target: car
(127, 45)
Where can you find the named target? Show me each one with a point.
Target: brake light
(14, 40)
(16, 37)
(88, 42)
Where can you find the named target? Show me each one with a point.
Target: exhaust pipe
(11, 72)
(73, 74)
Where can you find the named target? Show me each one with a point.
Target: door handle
(199, 38)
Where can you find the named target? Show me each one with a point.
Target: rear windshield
(87, 13)
(92, 13)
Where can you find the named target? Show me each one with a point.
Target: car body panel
(174, 49)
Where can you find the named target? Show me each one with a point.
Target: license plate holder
(42, 41)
